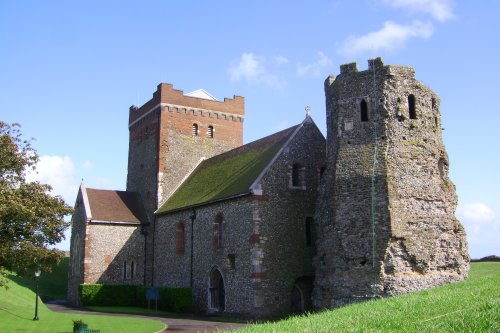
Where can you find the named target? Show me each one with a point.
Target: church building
(285, 224)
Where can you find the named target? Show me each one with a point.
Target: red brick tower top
(172, 132)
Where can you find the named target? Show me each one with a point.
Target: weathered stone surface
(265, 234)
(163, 149)
(384, 218)
(386, 214)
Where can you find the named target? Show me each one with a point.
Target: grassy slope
(53, 284)
(468, 306)
(17, 306)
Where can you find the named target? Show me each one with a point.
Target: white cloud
(482, 225)
(390, 37)
(87, 164)
(58, 172)
(251, 68)
(440, 10)
(315, 68)
(280, 60)
(477, 212)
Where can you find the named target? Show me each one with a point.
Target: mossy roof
(227, 175)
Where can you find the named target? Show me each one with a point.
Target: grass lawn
(469, 306)
(17, 309)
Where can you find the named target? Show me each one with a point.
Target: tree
(31, 219)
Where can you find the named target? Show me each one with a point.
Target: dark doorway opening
(217, 293)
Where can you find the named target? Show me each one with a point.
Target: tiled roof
(227, 175)
(115, 206)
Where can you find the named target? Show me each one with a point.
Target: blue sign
(152, 294)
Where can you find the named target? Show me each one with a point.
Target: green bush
(178, 300)
(103, 294)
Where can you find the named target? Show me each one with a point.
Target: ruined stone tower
(386, 215)
(169, 136)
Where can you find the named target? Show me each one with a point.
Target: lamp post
(37, 276)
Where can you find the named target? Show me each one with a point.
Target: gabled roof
(202, 93)
(113, 206)
(230, 174)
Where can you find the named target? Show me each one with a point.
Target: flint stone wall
(386, 210)
(265, 234)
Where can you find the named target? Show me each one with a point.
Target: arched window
(218, 237)
(179, 238)
(210, 131)
(129, 269)
(194, 130)
(297, 175)
(132, 269)
(411, 107)
(364, 110)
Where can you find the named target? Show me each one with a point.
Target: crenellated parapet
(166, 97)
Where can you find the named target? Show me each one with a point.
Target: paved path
(184, 325)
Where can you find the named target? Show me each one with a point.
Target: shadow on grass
(23, 281)
(52, 285)
(15, 315)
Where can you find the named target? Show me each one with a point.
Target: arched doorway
(217, 294)
(301, 294)
(297, 300)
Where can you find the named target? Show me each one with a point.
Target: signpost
(152, 294)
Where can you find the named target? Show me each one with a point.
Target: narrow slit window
(218, 237)
(194, 130)
(411, 107)
(296, 174)
(364, 110)
(179, 238)
(210, 131)
(321, 172)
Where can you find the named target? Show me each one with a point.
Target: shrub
(178, 300)
(103, 294)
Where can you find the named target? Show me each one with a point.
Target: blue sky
(69, 71)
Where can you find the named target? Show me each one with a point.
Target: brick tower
(386, 216)
(169, 135)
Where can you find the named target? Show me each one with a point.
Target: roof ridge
(250, 144)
